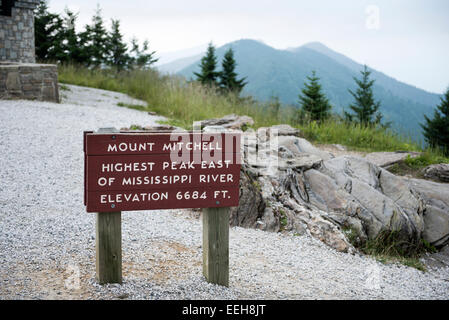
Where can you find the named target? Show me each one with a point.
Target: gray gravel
(47, 240)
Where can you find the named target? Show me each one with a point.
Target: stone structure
(17, 30)
(20, 77)
(29, 81)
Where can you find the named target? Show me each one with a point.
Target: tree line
(226, 80)
(57, 40)
(314, 106)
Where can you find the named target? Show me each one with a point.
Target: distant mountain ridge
(271, 71)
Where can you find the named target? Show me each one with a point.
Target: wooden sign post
(108, 247)
(126, 171)
(216, 245)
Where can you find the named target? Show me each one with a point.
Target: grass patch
(171, 122)
(257, 185)
(63, 87)
(184, 102)
(352, 236)
(425, 159)
(132, 106)
(402, 169)
(169, 96)
(356, 136)
(283, 220)
(413, 166)
(136, 127)
(390, 247)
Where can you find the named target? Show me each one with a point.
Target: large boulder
(386, 159)
(436, 210)
(231, 121)
(281, 130)
(438, 259)
(438, 172)
(291, 199)
(275, 158)
(287, 184)
(307, 190)
(295, 146)
(351, 187)
(251, 204)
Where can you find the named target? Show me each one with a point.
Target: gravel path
(47, 244)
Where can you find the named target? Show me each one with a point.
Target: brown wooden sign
(127, 171)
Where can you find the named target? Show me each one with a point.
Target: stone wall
(29, 81)
(17, 33)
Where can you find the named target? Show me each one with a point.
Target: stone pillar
(17, 33)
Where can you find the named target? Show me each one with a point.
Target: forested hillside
(271, 72)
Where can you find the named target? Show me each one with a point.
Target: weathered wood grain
(109, 247)
(216, 245)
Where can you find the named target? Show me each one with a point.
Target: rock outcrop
(231, 121)
(438, 259)
(437, 172)
(369, 199)
(287, 184)
(153, 128)
(436, 210)
(386, 159)
(251, 205)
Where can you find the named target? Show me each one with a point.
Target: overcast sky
(406, 39)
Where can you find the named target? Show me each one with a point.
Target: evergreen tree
(96, 38)
(141, 59)
(208, 76)
(313, 101)
(436, 130)
(47, 27)
(72, 48)
(228, 76)
(117, 49)
(84, 45)
(58, 41)
(365, 108)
